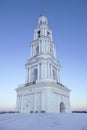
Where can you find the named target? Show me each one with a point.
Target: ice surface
(43, 121)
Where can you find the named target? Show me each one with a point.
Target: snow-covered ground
(43, 121)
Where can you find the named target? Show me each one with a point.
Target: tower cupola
(42, 30)
(42, 19)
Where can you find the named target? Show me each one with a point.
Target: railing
(34, 82)
(31, 83)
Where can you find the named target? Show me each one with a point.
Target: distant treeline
(79, 111)
(3, 112)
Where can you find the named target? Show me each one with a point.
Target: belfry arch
(62, 107)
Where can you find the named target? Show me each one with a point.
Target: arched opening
(37, 50)
(35, 74)
(39, 33)
(62, 107)
(54, 74)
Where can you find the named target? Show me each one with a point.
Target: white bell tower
(42, 65)
(42, 91)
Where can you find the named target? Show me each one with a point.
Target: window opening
(37, 50)
(35, 74)
(39, 33)
(54, 74)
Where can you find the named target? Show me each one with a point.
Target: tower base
(43, 97)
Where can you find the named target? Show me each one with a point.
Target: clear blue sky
(68, 21)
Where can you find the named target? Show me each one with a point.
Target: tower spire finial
(43, 8)
(42, 12)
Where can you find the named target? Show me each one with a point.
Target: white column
(42, 46)
(29, 74)
(48, 70)
(42, 31)
(45, 47)
(48, 47)
(58, 75)
(39, 48)
(31, 77)
(43, 102)
(51, 72)
(35, 106)
(22, 103)
(38, 71)
(42, 70)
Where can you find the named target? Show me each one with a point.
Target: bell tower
(42, 91)
(44, 66)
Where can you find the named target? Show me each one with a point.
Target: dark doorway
(62, 107)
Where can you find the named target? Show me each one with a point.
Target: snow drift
(44, 121)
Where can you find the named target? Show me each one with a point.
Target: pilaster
(42, 70)
(51, 72)
(46, 73)
(42, 47)
(22, 103)
(29, 75)
(43, 102)
(48, 70)
(35, 103)
(38, 71)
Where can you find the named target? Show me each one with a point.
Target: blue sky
(68, 21)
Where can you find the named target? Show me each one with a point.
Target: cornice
(42, 57)
(43, 85)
